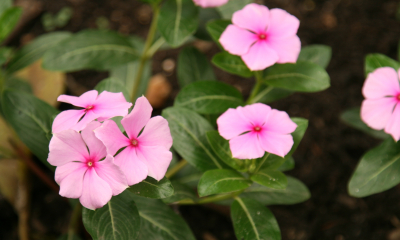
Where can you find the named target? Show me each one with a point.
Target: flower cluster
(83, 148)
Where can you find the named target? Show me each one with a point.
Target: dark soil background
(328, 153)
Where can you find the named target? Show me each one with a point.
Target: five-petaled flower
(210, 3)
(146, 149)
(381, 108)
(81, 172)
(262, 37)
(255, 129)
(95, 106)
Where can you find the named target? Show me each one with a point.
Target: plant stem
(74, 221)
(256, 87)
(262, 162)
(259, 96)
(176, 168)
(211, 199)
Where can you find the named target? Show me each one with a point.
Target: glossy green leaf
(188, 130)
(232, 64)
(270, 94)
(318, 54)
(253, 221)
(216, 28)
(376, 60)
(181, 192)
(295, 192)
(90, 49)
(221, 148)
(178, 21)
(230, 7)
(117, 220)
(152, 188)
(193, 66)
(287, 165)
(221, 181)
(209, 97)
(206, 15)
(34, 50)
(270, 178)
(8, 20)
(377, 171)
(112, 85)
(159, 221)
(352, 118)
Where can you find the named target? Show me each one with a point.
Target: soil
(326, 157)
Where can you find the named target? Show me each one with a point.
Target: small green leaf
(112, 85)
(252, 221)
(216, 28)
(209, 97)
(376, 60)
(287, 165)
(270, 178)
(181, 192)
(152, 188)
(230, 7)
(117, 220)
(8, 20)
(318, 54)
(377, 171)
(232, 64)
(221, 181)
(270, 94)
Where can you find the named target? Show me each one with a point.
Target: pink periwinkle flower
(255, 129)
(146, 149)
(81, 173)
(381, 108)
(262, 37)
(95, 106)
(210, 3)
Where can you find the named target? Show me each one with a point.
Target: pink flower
(145, 152)
(262, 37)
(80, 173)
(103, 106)
(380, 109)
(255, 129)
(210, 3)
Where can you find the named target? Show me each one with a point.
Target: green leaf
(376, 60)
(205, 15)
(295, 192)
(152, 188)
(18, 84)
(193, 66)
(270, 178)
(287, 165)
(117, 220)
(252, 221)
(188, 132)
(270, 94)
(216, 28)
(178, 21)
(8, 20)
(90, 49)
(151, 1)
(230, 7)
(158, 221)
(232, 64)
(5, 54)
(221, 148)
(189, 176)
(181, 192)
(377, 171)
(207, 97)
(31, 118)
(352, 118)
(4, 5)
(34, 50)
(113, 85)
(221, 181)
(318, 54)
(302, 77)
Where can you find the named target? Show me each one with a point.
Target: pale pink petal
(393, 126)
(253, 17)
(380, 83)
(156, 133)
(110, 105)
(257, 113)
(376, 112)
(236, 40)
(112, 174)
(246, 146)
(276, 143)
(279, 122)
(85, 100)
(67, 146)
(70, 178)
(96, 147)
(210, 3)
(232, 124)
(89, 117)
(96, 192)
(260, 56)
(134, 168)
(66, 120)
(288, 49)
(282, 24)
(111, 137)
(137, 119)
(157, 160)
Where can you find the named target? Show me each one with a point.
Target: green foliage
(216, 28)
(376, 60)
(287, 165)
(152, 188)
(4, 5)
(270, 94)
(205, 15)
(50, 22)
(318, 54)
(8, 20)
(229, 8)
(181, 192)
(112, 85)
(232, 64)
(270, 178)
(5, 54)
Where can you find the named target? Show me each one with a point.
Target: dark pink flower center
(90, 107)
(398, 97)
(262, 36)
(257, 129)
(134, 142)
(90, 163)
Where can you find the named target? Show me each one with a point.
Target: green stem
(156, 45)
(256, 87)
(211, 199)
(261, 94)
(74, 221)
(262, 162)
(176, 168)
(253, 166)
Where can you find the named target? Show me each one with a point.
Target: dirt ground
(329, 151)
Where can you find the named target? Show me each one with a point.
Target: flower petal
(137, 119)
(393, 126)
(66, 120)
(376, 112)
(282, 24)
(236, 40)
(276, 143)
(96, 192)
(279, 122)
(156, 133)
(112, 174)
(134, 168)
(253, 17)
(89, 117)
(210, 3)
(157, 160)
(257, 113)
(70, 178)
(288, 49)
(110, 105)
(380, 83)
(246, 146)
(86, 99)
(96, 147)
(111, 137)
(260, 56)
(232, 124)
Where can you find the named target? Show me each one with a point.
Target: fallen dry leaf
(158, 90)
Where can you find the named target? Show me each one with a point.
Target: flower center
(398, 97)
(134, 142)
(90, 107)
(90, 164)
(262, 36)
(257, 129)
